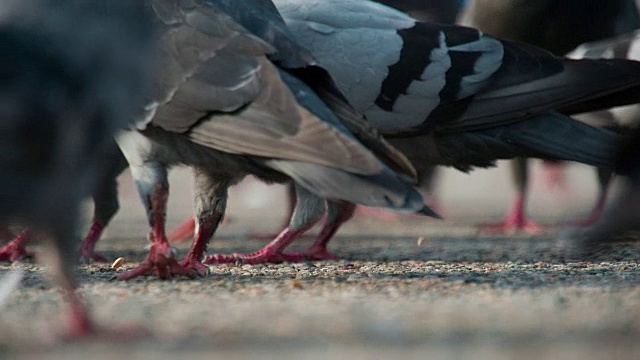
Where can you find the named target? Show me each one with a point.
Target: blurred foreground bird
(620, 216)
(229, 104)
(75, 73)
(455, 96)
(106, 205)
(558, 26)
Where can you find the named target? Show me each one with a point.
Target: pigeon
(621, 119)
(228, 103)
(621, 215)
(451, 95)
(555, 25)
(436, 11)
(76, 73)
(106, 205)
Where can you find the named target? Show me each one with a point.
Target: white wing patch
(344, 14)
(353, 57)
(491, 55)
(421, 97)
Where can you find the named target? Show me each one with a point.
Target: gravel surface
(456, 295)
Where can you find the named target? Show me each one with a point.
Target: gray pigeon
(106, 205)
(620, 216)
(456, 96)
(430, 10)
(555, 25)
(225, 106)
(75, 74)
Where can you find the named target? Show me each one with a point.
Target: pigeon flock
(351, 102)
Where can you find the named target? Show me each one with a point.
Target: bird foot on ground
(262, 256)
(587, 221)
(195, 265)
(311, 253)
(511, 226)
(160, 261)
(14, 251)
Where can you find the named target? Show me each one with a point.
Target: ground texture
(451, 295)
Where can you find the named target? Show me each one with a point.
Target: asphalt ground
(453, 294)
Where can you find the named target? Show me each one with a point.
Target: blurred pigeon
(76, 72)
(620, 216)
(555, 25)
(225, 109)
(621, 119)
(460, 98)
(106, 204)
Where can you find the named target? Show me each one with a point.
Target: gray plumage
(226, 109)
(558, 26)
(496, 87)
(475, 97)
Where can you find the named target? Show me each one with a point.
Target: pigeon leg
(155, 192)
(337, 214)
(106, 205)
(291, 204)
(16, 249)
(308, 211)
(516, 219)
(604, 178)
(555, 175)
(210, 202)
(87, 249)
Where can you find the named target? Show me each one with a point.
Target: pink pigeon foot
(512, 225)
(195, 265)
(318, 250)
(555, 175)
(515, 221)
(79, 326)
(160, 261)
(272, 253)
(16, 249)
(595, 214)
(87, 249)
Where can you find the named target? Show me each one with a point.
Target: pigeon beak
(429, 212)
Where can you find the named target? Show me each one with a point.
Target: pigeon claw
(15, 250)
(160, 261)
(201, 269)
